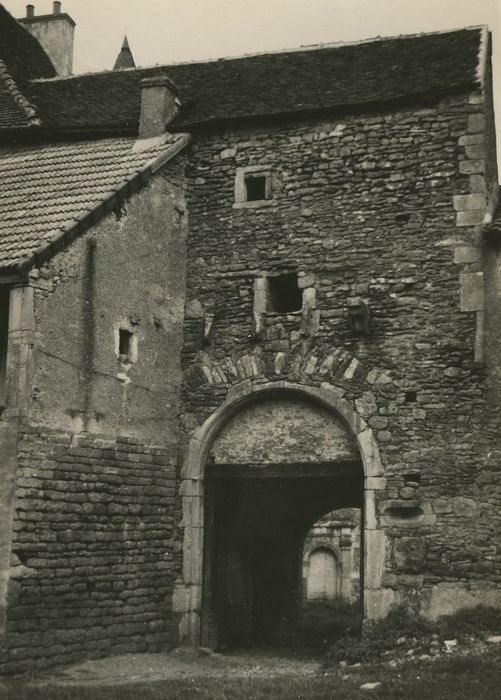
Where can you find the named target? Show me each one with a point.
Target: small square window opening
(284, 294)
(255, 188)
(125, 345)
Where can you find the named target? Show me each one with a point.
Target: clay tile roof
(47, 189)
(15, 110)
(278, 83)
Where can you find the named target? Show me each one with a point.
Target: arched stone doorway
(358, 480)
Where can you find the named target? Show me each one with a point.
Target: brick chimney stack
(159, 105)
(55, 33)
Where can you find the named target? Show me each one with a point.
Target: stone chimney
(55, 33)
(159, 105)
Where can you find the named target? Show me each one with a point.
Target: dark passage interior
(255, 531)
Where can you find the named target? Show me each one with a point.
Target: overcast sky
(165, 31)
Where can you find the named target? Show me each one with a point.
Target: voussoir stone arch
(187, 600)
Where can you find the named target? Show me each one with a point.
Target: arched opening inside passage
(332, 569)
(279, 465)
(323, 577)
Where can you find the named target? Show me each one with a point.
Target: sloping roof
(278, 83)
(23, 54)
(21, 59)
(15, 110)
(46, 190)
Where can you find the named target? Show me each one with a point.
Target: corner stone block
(470, 218)
(469, 202)
(466, 255)
(470, 167)
(476, 123)
(471, 140)
(472, 291)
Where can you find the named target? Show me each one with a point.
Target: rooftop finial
(125, 59)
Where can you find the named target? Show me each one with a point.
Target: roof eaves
(483, 55)
(28, 109)
(110, 201)
(492, 220)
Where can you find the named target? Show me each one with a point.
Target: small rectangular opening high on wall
(255, 187)
(284, 294)
(4, 338)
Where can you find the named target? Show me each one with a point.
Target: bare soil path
(181, 664)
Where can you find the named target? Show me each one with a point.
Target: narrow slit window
(125, 338)
(255, 188)
(284, 294)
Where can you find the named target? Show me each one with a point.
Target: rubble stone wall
(384, 207)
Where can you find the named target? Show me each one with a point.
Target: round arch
(187, 599)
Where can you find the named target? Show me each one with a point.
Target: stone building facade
(237, 303)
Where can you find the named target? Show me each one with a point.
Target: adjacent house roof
(51, 191)
(279, 83)
(22, 53)
(21, 59)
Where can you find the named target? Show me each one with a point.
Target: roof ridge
(301, 49)
(27, 107)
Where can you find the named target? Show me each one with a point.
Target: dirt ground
(182, 663)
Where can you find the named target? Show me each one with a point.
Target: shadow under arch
(187, 598)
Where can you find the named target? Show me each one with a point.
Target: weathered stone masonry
(93, 553)
(387, 206)
(323, 333)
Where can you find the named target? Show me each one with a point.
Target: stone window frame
(309, 315)
(241, 201)
(126, 325)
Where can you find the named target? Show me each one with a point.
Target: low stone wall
(92, 563)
